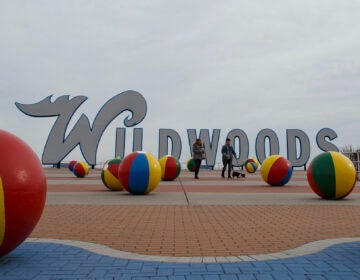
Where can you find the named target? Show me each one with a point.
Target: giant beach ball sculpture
(331, 175)
(139, 172)
(276, 170)
(251, 165)
(71, 165)
(170, 168)
(109, 175)
(190, 164)
(22, 191)
(81, 169)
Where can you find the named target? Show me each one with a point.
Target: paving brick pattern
(220, 238)
(205, 230)
(197, 230)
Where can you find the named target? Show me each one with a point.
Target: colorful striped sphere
(140, 173)
(81, 169)
(251, 165)
(276, 170)
(190, 164)
(71, 165)
(109, 175)
(22, 191)
(170, 168)
(331, 175)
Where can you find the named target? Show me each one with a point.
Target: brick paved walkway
(53, 261)
(204, 220)
(199, 230)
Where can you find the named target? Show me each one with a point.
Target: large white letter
(59, 143)
(293, 135)
(260, 143)
(321, 140)
(164, 136)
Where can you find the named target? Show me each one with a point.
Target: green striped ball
(331, 175)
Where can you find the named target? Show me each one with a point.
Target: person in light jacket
(198, 155)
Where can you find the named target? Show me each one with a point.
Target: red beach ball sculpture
(276, 170)
(170, 168)
(109, 175)
(81, 169)
(22, 191)
(71, 165)
(139, 172)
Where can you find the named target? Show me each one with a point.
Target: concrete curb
(309, 248)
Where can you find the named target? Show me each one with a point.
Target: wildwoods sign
(60, 143)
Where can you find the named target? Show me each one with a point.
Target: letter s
(321, 140)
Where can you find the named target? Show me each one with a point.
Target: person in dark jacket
(198, 155)
(227, 152)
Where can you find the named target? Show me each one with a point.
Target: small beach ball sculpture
(251, 165)
(190, 164)
(81, 169)
(170, 168)
(71, 165)
(22, 191)
(331, 175)
(139, 172)
(276, 170)
(109, 175)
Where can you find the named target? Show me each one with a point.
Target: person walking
(227, 152)
(198, 155)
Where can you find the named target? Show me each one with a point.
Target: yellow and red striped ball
(190, 164)
(109, 175)
(331, 175)
(251, 165)
(139, 173)
(22, 191)
(170, 168)
(81, 169)
(276, 170)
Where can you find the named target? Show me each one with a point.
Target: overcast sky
(199, 64)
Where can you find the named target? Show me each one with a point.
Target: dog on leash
(238, 174)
